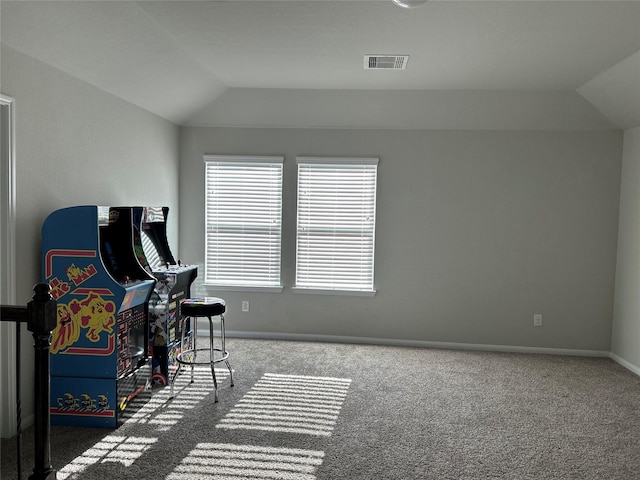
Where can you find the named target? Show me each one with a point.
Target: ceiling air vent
(385, 62)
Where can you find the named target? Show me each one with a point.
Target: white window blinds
(336, 223)
(243, 220)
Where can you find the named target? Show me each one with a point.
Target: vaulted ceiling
(193, 61)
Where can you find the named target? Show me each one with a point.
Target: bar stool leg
(224, 347)
(193, 326)
(212, 358)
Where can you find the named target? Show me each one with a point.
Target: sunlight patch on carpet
(218, 461)
(163, 412)
(113, 448)
(289, 403)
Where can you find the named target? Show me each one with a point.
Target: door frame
(8, 403)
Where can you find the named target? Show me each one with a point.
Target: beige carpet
(337, 411)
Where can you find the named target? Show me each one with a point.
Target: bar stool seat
(192, 309)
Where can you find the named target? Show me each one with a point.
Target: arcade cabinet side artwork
(99, 356)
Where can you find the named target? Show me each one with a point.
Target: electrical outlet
(537, 320)
(245, 305)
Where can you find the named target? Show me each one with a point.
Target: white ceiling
(174, 58)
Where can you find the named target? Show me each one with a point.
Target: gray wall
(77, 145)
(476, 232)
(625, 343)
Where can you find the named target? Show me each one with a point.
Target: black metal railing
(40, 315)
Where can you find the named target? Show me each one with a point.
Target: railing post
(42, 320)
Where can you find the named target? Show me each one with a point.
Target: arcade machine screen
(116, 246)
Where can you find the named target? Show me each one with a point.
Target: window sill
(321, 291)
(241, 288)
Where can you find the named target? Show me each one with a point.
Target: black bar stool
(192, 308)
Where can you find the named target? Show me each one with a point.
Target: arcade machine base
(99, 402)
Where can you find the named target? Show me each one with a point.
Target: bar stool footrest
(208, 350)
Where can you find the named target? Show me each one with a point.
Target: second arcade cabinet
(173, 285)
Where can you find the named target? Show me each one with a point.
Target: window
(243, 208)
(336, 223)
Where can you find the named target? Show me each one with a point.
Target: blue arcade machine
(99, 349)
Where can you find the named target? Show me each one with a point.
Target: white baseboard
(418, 343)
(624, 363)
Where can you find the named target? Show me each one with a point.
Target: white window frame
(320, 214)
(262, 219)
